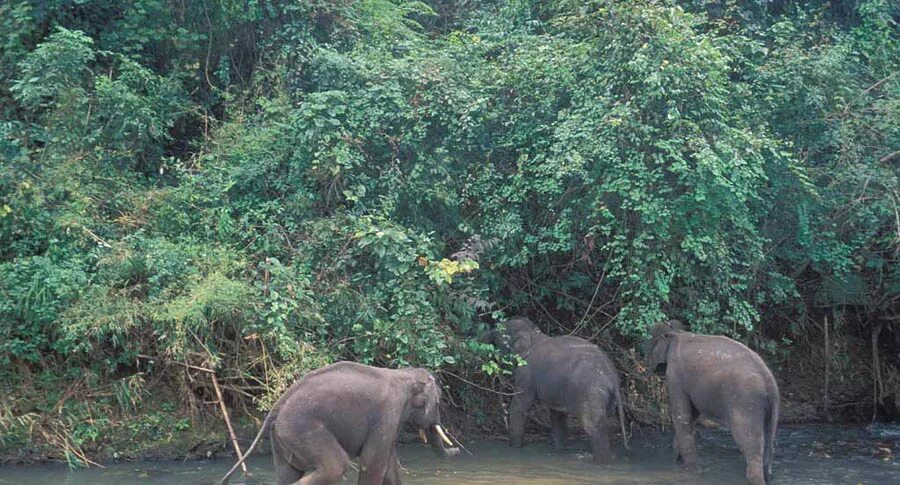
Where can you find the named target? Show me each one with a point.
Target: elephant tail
(771, 427)
(262, 430)
(622, 418)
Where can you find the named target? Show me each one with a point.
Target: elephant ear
(521, 332)
(522, 343)
(659, 353)
(418, 394)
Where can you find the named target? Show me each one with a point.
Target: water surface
(804, 455)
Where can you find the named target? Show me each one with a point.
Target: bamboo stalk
(234, 441)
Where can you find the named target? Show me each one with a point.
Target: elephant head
(424, 410)
(657, 349)
(518, 336)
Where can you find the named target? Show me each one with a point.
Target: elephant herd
(347, 410)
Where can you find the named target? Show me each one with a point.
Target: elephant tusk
(440, 432)
(422, 436)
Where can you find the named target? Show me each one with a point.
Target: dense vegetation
(258, 188)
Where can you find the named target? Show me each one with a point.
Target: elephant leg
(518, 411)
(559, 430)
(285, 473)
(593, 419)
(683, 417)
(315, 451)
(392, 477)
(747, 432)
(376, 458)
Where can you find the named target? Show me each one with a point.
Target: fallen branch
(827, 403)
(480, 387)
(99, 240)
(234, 440)
(458, 442)
(889, 156)
(185, 364)
(863, 93)
(877, 383)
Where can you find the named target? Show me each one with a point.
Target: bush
(256, 189)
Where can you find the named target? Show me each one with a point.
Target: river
(804, 455)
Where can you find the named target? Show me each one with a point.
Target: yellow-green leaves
(441, 272)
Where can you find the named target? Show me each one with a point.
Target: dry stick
(894, 198)
(234, 440)
(444, 371)
(446, 431)
(593, 297)
(265, 361)
(889, 156)
(215, 382)
(183, 364)
(99, 240)
(60, 438)
(865, 91)
(827, 376)
(876, 370)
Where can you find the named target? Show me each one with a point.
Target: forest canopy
(260, 187)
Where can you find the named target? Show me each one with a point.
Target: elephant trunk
(440, 443)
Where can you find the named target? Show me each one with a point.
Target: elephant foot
(516, 443)
(691, 467)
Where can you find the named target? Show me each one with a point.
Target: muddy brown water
(804, 455)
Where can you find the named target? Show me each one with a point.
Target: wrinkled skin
(724, 381)
(567, 374)
(348, 410)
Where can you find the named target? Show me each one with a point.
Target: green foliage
(35, 292)
(261, 188)
(56, 71)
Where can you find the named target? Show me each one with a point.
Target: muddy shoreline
(880, 441)
(806, 454)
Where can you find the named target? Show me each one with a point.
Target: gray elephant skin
(567, 374)
(723, 380)
(347, 410)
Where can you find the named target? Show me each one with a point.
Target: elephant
(724, 381)
(567, 374)
(347, 410)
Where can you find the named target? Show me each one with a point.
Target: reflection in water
(804, 455)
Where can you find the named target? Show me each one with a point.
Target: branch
(443, 371)
(889, 156)
(204, 369)
(234, 440)
(866, 91)
(99, 240)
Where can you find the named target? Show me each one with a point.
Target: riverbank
(807, 454)
(90, 427)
